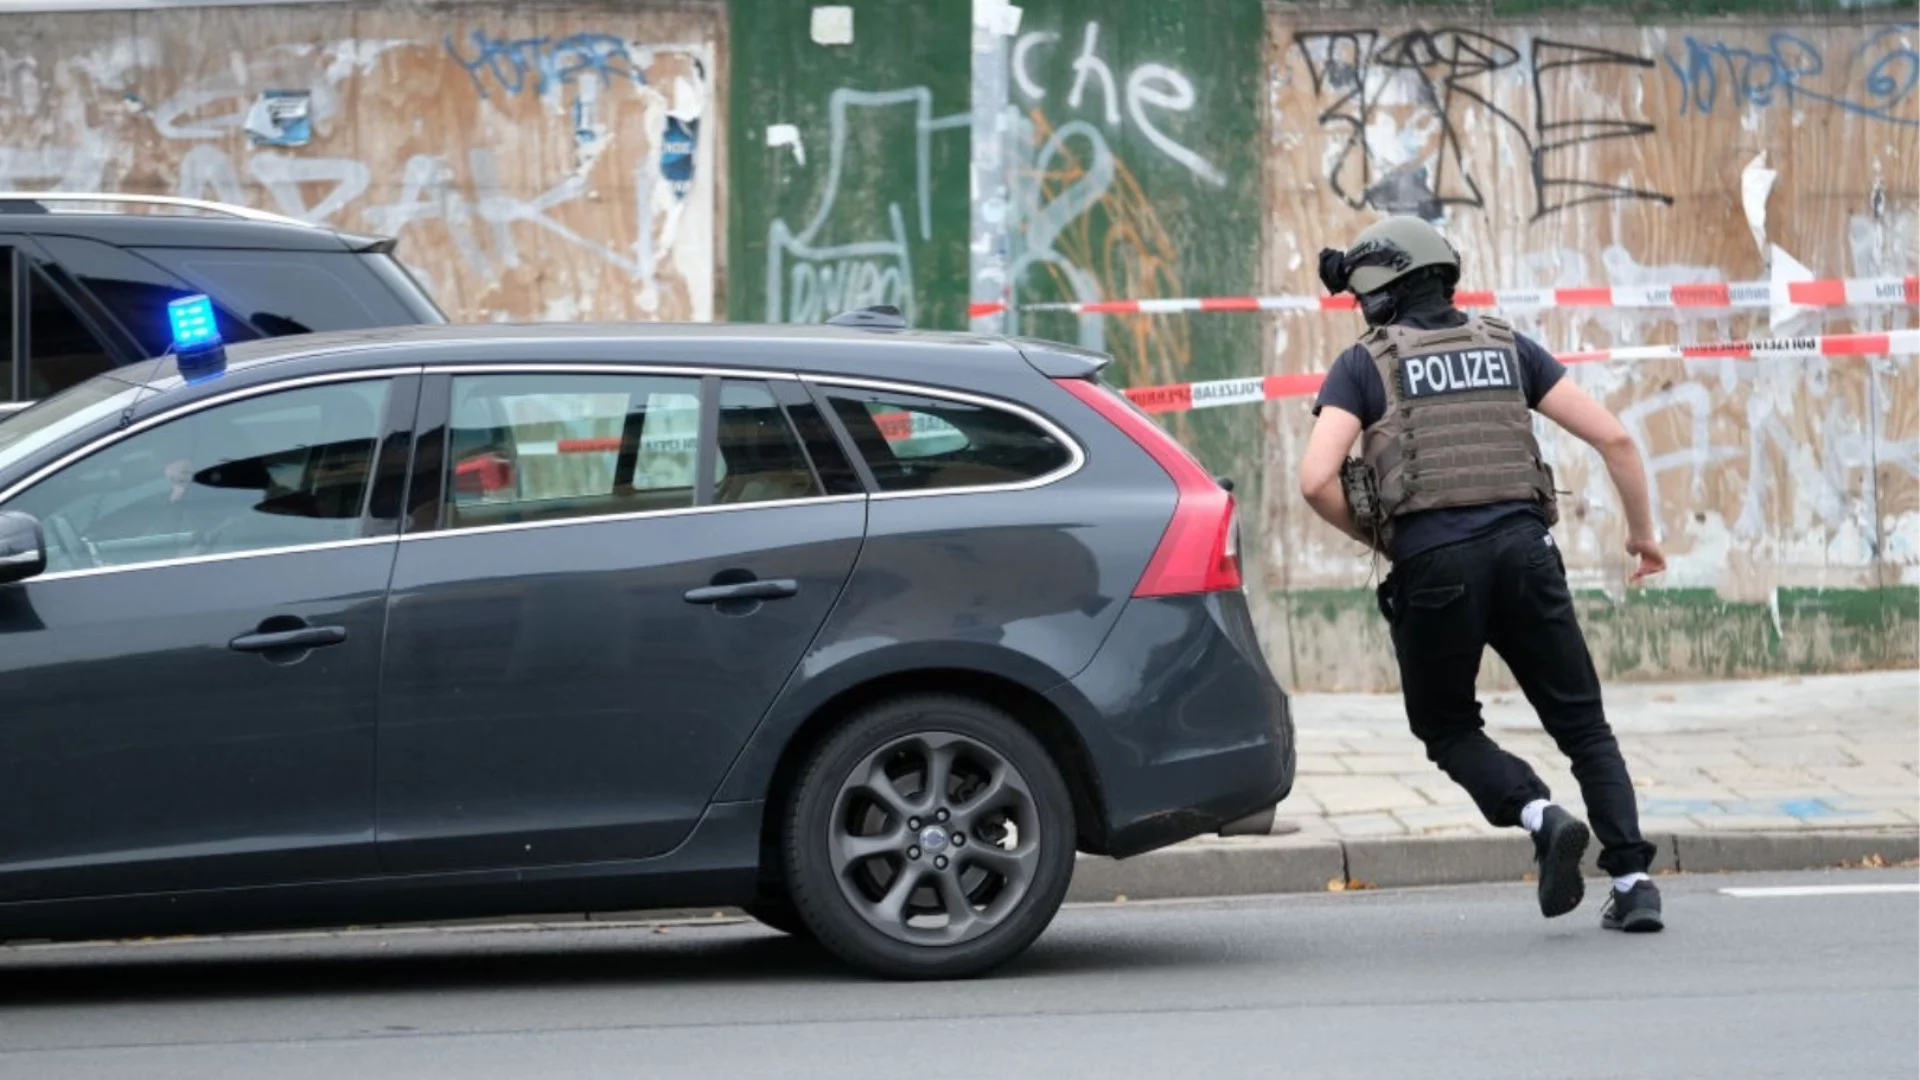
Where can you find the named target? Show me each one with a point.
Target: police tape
(894, 427)
(1828, 292)
(1182, 397)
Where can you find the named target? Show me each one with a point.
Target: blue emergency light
(196, 338)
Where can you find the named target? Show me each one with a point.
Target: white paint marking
(1763, 892)
(788, 135)
(832, 25)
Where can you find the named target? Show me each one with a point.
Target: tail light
(1200, 551)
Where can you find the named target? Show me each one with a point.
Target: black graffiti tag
(1429, 79)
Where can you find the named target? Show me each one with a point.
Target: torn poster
(677, 147)
(281, 118)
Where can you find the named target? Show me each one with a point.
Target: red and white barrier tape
(1181, 397)
(1829, 292)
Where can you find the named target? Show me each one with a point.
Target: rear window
(135, 291)
(283, 293)
(913, 443)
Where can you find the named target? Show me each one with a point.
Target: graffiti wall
(536, 162)
(1113, 147)
(1787, 490)
(850, 156)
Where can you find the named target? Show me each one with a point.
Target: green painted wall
(1135, 155)
(807, 240)
(1336, 639)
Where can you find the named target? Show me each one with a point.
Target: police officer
(1451, 487)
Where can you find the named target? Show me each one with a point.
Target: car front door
(188, 691)
(587, 625)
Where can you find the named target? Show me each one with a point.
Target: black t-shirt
(1354, 386)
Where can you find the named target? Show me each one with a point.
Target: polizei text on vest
(1459, 371)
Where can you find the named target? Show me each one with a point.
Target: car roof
(804, 348)
(178, 230)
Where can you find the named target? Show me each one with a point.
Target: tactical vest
(1457, 430)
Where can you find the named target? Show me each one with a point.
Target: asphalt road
(1465, 982)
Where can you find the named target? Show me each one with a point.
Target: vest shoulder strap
(1385, 344)
(1497, 330)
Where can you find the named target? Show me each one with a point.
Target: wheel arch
(1028, 707)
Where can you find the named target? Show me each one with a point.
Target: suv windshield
(32, 429)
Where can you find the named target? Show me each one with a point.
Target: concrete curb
(1319, 865)
(1257, 866)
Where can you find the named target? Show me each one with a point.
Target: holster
(1363, 499)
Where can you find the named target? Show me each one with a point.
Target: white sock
(1532, 813)
(1625, 884)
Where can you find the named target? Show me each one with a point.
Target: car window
(7, 391)
(46, 422)
(286, 293)
(918, 444)
(759, 457)
(62, 350)
(136, 291)
(527, 448)
(277, 470)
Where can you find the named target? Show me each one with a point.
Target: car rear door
(188, 692)
(608, 574)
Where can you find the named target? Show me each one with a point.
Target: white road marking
(1819, 890)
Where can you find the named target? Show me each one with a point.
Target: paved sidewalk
(1821, 752)
(1771, 774)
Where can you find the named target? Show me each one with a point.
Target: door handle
(746, 590)
(307, 637)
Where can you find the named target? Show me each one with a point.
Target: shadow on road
(242, 969)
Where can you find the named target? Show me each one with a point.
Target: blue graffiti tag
(1791, 70)
(544, 63)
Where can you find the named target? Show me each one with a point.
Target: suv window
(924, 443)
(136, 291)
(278, 470)
(759, 457)
(6, 323)
(61, 350)
(281, 294)
(526, 448)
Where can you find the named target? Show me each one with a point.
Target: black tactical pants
(1508, 590)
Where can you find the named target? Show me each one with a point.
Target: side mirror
(23, 549)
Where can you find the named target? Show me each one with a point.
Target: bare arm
(1333, 434)
(1574, 409)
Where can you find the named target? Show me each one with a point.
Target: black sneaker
(1558, 848)
(1636, 911)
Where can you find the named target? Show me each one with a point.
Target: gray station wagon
(864, 630)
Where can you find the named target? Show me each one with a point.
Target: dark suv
(83, 292)
(864, 630)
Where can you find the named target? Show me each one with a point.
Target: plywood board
(1608, 153)
(536, 162)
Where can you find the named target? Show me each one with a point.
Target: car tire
(906, 882)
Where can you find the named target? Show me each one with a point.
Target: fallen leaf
(1874, 861)
(1120, 898)
(1336, 885)
(1356, 884)
(1529, 877)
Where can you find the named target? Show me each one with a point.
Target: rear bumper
(1184, 725)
